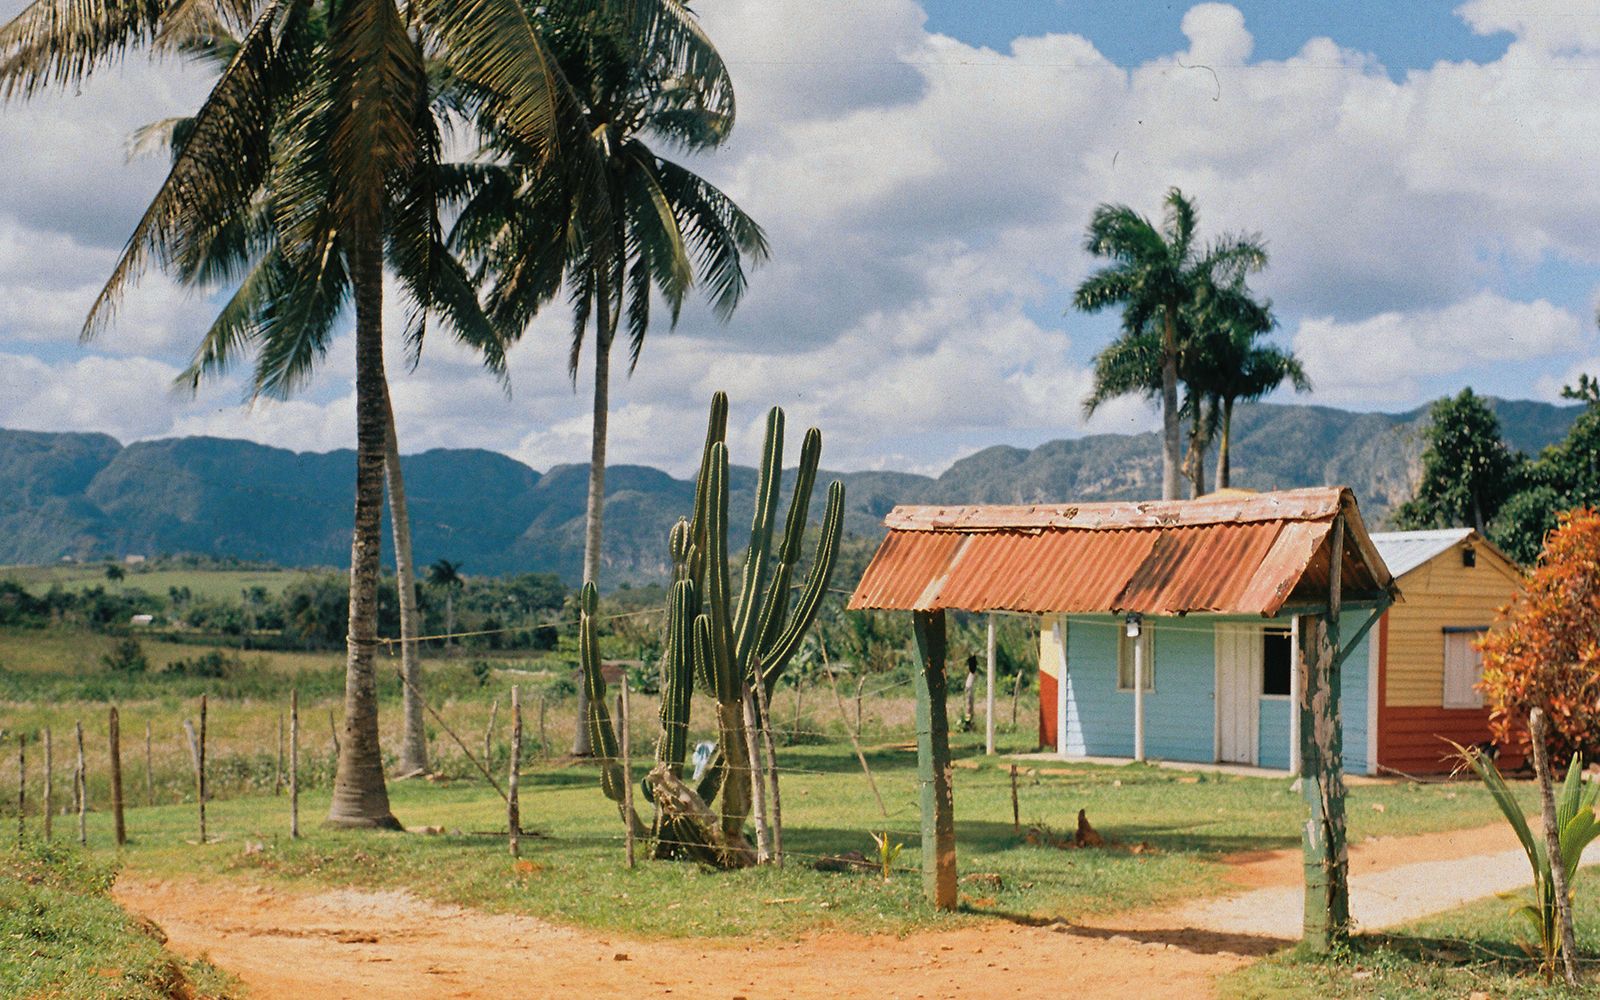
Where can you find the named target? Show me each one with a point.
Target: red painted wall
(1047, 711)
(1412, 739)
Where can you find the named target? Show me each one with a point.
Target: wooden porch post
(1327, 909)
(933, 762)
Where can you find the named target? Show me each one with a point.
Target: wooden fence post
(544, 744)
(933, 761)
(1327, 905)
(988, 688)
(627, 770)
(1016, 811)
(758, 775)
(114, 737)
(49, 782)
(513, 805)
(149, 769)
(200, 773)
(81, 787)
(294, 763)
(488, 734)
(22, 787)
(277, 767)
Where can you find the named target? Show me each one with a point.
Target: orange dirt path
(287, 942)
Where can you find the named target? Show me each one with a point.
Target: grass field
(80, 944)
(210, 584)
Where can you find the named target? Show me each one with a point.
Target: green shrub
(126, 657)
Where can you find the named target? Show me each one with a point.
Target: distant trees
(1162, 277)
(1472, 478)
(1468, 472)
(445, 576)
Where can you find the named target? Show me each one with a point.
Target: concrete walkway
(1378, 900)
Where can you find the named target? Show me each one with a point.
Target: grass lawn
(1466, 952)
(1183, 825)
(64, 937)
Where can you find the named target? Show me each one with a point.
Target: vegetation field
(210, 584)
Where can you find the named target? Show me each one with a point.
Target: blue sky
(1422, 174)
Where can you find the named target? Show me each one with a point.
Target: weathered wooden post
(49, 782)
(1327, 904)
(22, 787)
(488, 734)
(200, 769)
(114, 738)
(1016, 810)
(81, 789)
(294, 763)
(544, 742)
(277, 767)
(149, 768)
(988, 690)
(513, 806)
(758, 776)
(933, 761)
(627, 766)
(770, 748)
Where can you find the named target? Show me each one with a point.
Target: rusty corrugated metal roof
(1234, 555)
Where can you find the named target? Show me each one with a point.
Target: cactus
(602, 733)
(722, 641)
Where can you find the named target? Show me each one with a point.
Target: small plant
(888, 853)
(1577, 825)
(126, 657)
(213, 663)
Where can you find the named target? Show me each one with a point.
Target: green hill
(86, 496)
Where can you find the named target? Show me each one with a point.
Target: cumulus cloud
(926, 200)
(1351, 362)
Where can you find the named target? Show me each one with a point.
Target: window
(1276, 650)
(1125, 658)
(1463, 667)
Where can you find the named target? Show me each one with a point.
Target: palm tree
(1155, 274)
(446, 576)
(317, 125)
(610, 220)
(1235, 366)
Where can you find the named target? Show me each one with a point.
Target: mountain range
(87, 496)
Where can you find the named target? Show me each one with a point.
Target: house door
(1238, 652)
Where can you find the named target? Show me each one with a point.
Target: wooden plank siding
(1439, 594)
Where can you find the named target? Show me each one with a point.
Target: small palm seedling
(888, 853)
(1577, 828)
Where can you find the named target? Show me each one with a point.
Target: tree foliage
(1468, 472)
(1546, 652)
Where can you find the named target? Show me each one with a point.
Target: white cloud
(1350, 362)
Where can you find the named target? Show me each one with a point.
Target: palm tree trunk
(360, 798)
(1171, 435)
(1226, 439)
(414, 744)
(595, 514)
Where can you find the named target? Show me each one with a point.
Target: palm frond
(60, 42)
(492, 46)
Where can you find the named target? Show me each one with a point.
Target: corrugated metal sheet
(1404, 551)
(1167, 558)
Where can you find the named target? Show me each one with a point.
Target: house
(1171, 621)
(1455, 582)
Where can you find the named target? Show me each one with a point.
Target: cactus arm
(601, 731)
(717, 587)
(716, 433)
(816, 588)
(758, 554)
(776, 607)
(677, 682)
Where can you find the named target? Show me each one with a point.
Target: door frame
(1233, 630)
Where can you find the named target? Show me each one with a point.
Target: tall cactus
(722, 641)
(602, 733)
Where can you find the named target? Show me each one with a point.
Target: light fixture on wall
(1134, 624)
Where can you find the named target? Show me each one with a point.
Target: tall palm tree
(609, 220)
(1242, 369)
(1155, 273)
(317, 125)
(446, 576)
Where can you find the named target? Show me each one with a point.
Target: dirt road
(283, 942)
